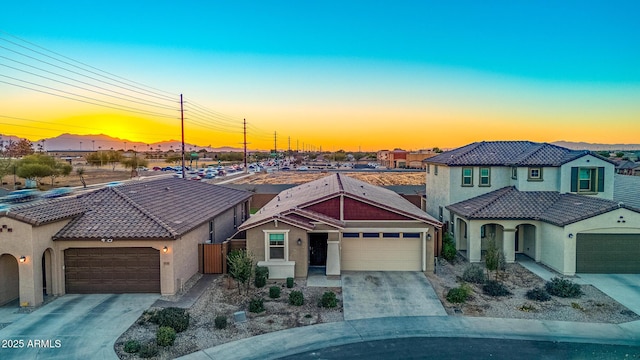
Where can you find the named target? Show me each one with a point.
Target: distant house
(627, 167)
(137, 237)
(550, 203)
(339, 223)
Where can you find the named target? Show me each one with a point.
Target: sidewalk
(296, 340)
(190, 296)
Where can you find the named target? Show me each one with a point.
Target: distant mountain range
(597, 147)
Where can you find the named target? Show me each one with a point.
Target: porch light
(299, 241)
(570, 236)
(165, 249)
(428, 236)
(23, 259)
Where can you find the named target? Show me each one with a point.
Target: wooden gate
(210, 258)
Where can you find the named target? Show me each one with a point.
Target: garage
(112, 270)
(608, 253)
(381, 254)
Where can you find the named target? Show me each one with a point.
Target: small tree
(80, 173)
(240, 267)
(493, 256)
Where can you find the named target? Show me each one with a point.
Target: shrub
(494, 258)
(274, 292)
(474, 274)
(173, 317)
(220, 322)
(329, 300)
(132, 346)
(495, 288)
(262, 273)
(563, 288)
(256, 305)
(240, 267)
(459, 294)
(165, 336)
(289, 282)
(148, 351)
(527, 308)
(448, 247)
(296, 298)
(538, 294)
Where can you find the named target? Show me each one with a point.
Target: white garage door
(382, 254)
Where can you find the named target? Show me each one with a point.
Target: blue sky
(380, 64)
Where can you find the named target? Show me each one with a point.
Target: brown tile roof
(548, 206)
(165, 208)
(295, 199)
(508, 153)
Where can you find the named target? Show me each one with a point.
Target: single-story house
(141, 237)
(340, 223)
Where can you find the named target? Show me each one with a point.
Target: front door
(318, 249)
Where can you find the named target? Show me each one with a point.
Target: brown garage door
(608, 253)
(112, 270)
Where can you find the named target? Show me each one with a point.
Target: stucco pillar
(538, 243)
(509, 245)
(333, 257)
(167, 279)
(30, 273)
(474, 242)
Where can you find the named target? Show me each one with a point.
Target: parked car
(303, 168)
(157, 168)
(22, 195)
(54, 193)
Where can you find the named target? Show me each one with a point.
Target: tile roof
(549, 206)
(626, 164)
(508, 153)
(165, 208)
(627, 190)
(294, 200)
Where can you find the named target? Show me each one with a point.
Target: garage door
(381, 254)
(608, 253)
(112, 270)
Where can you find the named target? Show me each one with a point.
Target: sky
(330, 75)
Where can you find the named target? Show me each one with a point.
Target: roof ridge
(145, 212)
(340, 186)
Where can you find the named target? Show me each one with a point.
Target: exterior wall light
(570, 236)
(165, 249)
(299, 241)
(429, 237)
(23, 259)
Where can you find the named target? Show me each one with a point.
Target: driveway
(73, 327)
(375, 294)
(623, 288)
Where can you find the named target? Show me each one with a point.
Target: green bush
(289, 282)
(262, 273)
(448, 247)
(296, 298)
(538, 294)
(132, 346)
(474, 274)
(459, 294)
(220, 322)
(148, 351)
(256, 305)
(495, 288)
(173, 317)
(165, 336)
(274, 292)
(563, 288)
(329, 300)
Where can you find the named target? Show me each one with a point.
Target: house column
(474, 242)
(30, 282)
(509, 245)
(538, 248)
(333, 257)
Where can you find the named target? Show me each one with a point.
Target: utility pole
(182, 129)
(244, 123)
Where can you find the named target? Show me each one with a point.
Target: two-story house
(550, 203)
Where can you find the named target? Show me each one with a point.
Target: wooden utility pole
(244, 122)
(182, 128)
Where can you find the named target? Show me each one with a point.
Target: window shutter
(600, 179)
(574, 179)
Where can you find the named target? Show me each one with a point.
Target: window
(276, 246)
(428, 168)
(514, 173)
(235, 217)
(370, 235)
(410, 235)
(467, 176)
(535, 174)
(483, 231)
(435, 169)
(390, 235)
(212, 233)
(350, 235)
(485, 176)
(587, 180)
(440, 212)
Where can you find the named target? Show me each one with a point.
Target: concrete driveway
(623, 288)
(73, 327)
(375, 294)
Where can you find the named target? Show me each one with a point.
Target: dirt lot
(223, 299)
(299, 177)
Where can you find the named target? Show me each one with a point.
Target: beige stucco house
(547, 202)
(339, 223)
(137, 237)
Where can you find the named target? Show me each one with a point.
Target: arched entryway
(47, 272)
(10, 279)
(526, 240)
